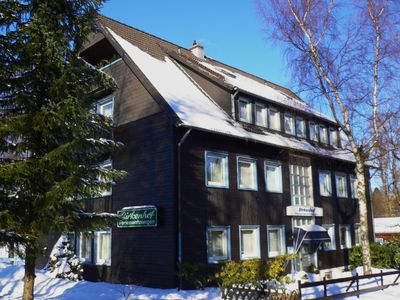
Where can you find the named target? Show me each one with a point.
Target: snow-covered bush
(63, 261)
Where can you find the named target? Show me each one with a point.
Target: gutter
(183, 139)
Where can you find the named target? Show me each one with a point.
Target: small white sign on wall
(304, 211)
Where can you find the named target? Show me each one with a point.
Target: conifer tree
(63, 261)
(51, 140)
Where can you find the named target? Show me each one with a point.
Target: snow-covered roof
(263, 90)
(387, 225)
(197, 110)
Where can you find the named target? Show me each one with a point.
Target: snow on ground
(46, 287)
(390, 293)
(11, 284)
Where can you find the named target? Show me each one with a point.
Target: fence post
(381, 278)
(299, 283)
(325, 292)
(358, 286)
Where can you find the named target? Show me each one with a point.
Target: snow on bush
(63, 261)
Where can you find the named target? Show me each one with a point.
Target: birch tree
(346, 54)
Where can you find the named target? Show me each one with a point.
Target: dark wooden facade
(148, 128)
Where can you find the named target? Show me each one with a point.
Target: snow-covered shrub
(63, 261)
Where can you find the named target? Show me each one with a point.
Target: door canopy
(314, 234)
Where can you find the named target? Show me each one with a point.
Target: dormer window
(105, 107)
(323, 134)
(289, 124)
(245, 114)
(313, 131)
(261, 115)
(300, 127)
(333, 137)
(274, 119)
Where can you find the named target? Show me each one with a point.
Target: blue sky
(230, 30)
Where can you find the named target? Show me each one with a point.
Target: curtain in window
(246, 171)
(215, 169)
(216, 240)
(248, 242)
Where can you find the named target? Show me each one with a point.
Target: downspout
(233, 96)
(183, 139)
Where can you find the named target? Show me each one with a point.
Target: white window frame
(348, 236)
(315, 126)
(353, 186)
(275, 110)
(224, 156)
(301, 185)
(253, 161)
(323, 134)
(292, 120)
(337, 176)
(322, 184)
(103, 102)
(227, 257)
(281, 229)
(257, 245)
(84, 260)
(249, 108)
(278, 166)
(106, 164)
(302, 122)
(357, 228)
(97, 260)
(330, 228)
(263, 121)
(333, 136)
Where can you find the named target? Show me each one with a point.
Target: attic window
(227, 73)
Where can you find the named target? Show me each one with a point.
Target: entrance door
(306, 256)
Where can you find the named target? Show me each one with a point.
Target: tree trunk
(29, 279)
(362, 202)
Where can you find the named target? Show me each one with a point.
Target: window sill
(218, 261)
(217, 186)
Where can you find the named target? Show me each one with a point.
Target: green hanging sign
(137, 216)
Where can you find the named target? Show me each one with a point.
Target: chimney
(197, 50)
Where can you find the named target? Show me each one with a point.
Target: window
(300, 127)
(273, 176)
(289, 124)
(325, 183)
(274, 119)
(245, 114)
(357, 234)
(301, 221)
(218, 243)
(331, 231)
(323, 134)
(107, 165)
(344, 235)
(85, 246)
(105, 107)
(102, 243)
(333, 137)
(95, 244)
(301, 185)
(313, 131)
(249, 236)
(276, 240)
(261, 115)
(247, 173)
(353, 186)
(341, 185)
(216, 169)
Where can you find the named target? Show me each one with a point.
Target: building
(222, 165)
(386, 229)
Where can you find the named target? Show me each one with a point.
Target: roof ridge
(212, 59)
(145, 32)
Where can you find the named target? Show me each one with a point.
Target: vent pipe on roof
(197, 50)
